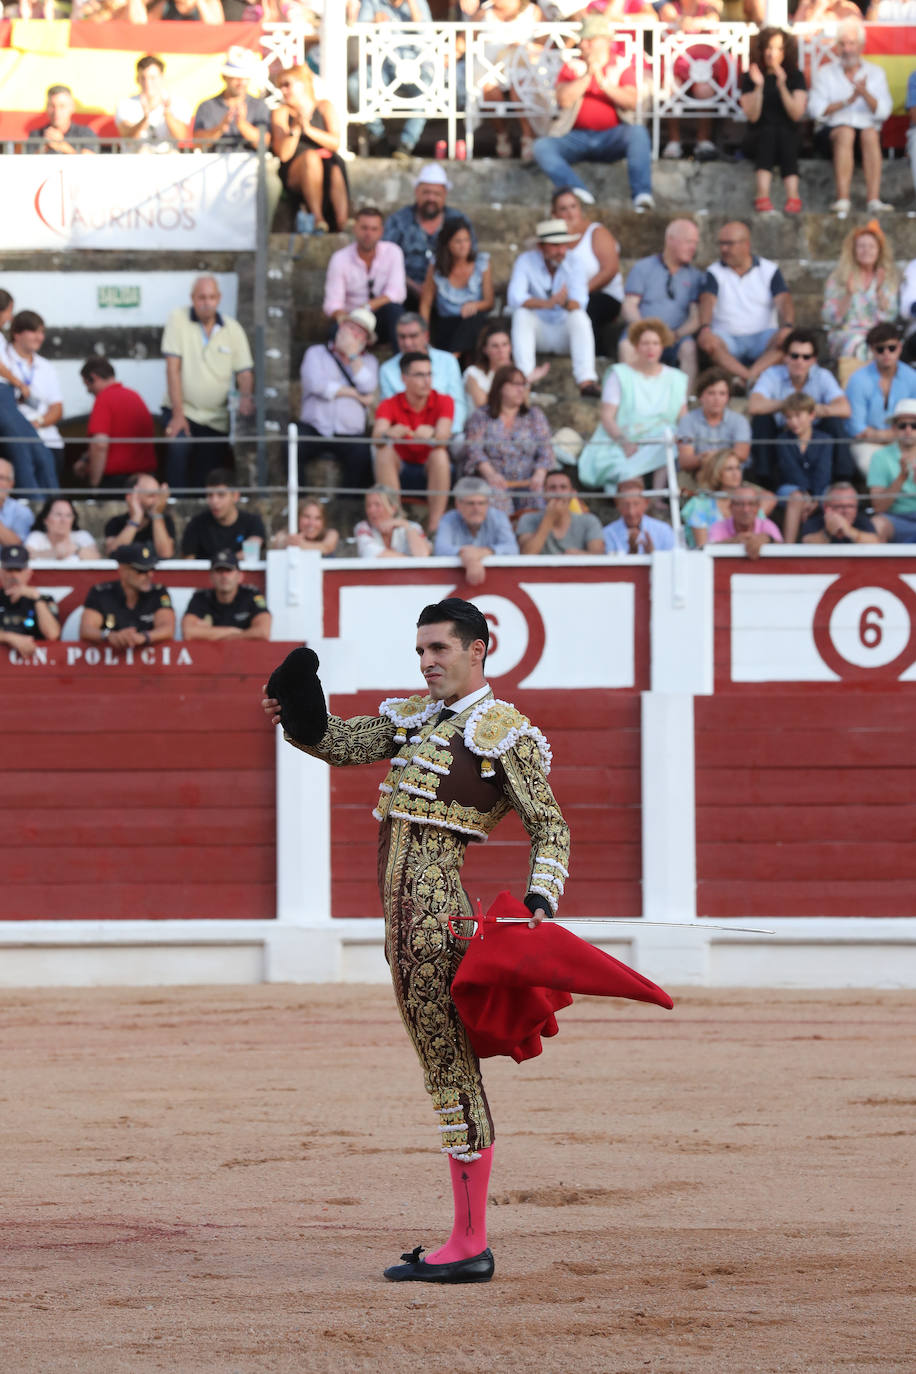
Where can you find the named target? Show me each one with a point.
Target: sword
(480, 920)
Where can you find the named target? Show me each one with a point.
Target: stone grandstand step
(684, 187)
(504, 202)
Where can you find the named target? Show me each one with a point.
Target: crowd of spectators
(819, 434)
(838, 108)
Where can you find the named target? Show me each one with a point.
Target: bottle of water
(305, 221)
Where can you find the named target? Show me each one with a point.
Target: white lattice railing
(461, 72)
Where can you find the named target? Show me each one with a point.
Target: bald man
(206, 354)
(666, 286)
(746, 308)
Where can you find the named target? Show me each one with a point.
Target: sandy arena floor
(213, 1179)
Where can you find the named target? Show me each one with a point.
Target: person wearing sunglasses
(799, 373)
(874, 392)
(892, 478)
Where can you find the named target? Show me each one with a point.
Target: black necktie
(445, 714)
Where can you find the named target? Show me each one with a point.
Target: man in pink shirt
(368, 273)
(744, 525)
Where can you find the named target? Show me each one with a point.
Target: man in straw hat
(589, 127)
(231, 121)
(548, 298)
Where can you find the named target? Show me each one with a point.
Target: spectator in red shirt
(120, 429)
(591, 99)
(417, 412)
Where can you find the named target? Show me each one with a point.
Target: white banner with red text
(172, 201)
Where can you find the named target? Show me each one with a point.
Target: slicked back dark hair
(885, 332)
(800, 336)
(469, 623)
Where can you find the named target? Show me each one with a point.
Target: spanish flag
(98, 61)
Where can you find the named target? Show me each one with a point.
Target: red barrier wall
(596, 778)
(805, 805)
(140, 790)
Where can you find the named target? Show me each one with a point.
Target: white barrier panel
(173, 201)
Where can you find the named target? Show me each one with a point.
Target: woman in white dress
(599, 254)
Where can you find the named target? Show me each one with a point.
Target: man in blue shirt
(16, 519)
(798, 374)
(666, 286)
(412, 334)
(635, 531)
(548, 299)
(416, 228)
(473, 531)
(874, 392)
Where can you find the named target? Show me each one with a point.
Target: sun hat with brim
(364, 319)
(906, 407)
(512, 980)
(554, 231)
(241, 62)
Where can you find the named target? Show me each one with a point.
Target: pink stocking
(469, 1188)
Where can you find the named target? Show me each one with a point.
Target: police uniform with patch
(247, 603)
(452, 779)
(109, 599)
(20, 617)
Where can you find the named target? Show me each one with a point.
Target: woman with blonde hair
(305, 136)
(860, 292)
(386, 532)
(718, 480)
(641, 404)
(311, 532)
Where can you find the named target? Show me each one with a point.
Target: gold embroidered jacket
(463, 774)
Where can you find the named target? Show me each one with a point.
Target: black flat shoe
(477, 1269)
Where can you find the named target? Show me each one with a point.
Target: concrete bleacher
(505, 199)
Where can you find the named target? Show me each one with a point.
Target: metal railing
(471, 73)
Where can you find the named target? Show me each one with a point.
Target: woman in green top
(639, 404)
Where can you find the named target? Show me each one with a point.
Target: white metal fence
(468, 73)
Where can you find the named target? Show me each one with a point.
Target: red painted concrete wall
(138, 791)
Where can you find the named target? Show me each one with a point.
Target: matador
(460, 760)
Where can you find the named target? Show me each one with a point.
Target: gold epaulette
(495, 726)
(408, 711)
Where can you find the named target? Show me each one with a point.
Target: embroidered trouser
(420, 885)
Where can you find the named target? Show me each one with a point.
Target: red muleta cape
(513, 979)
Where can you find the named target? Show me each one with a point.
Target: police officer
(231, 610)
(133, 611)
(26, 615)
